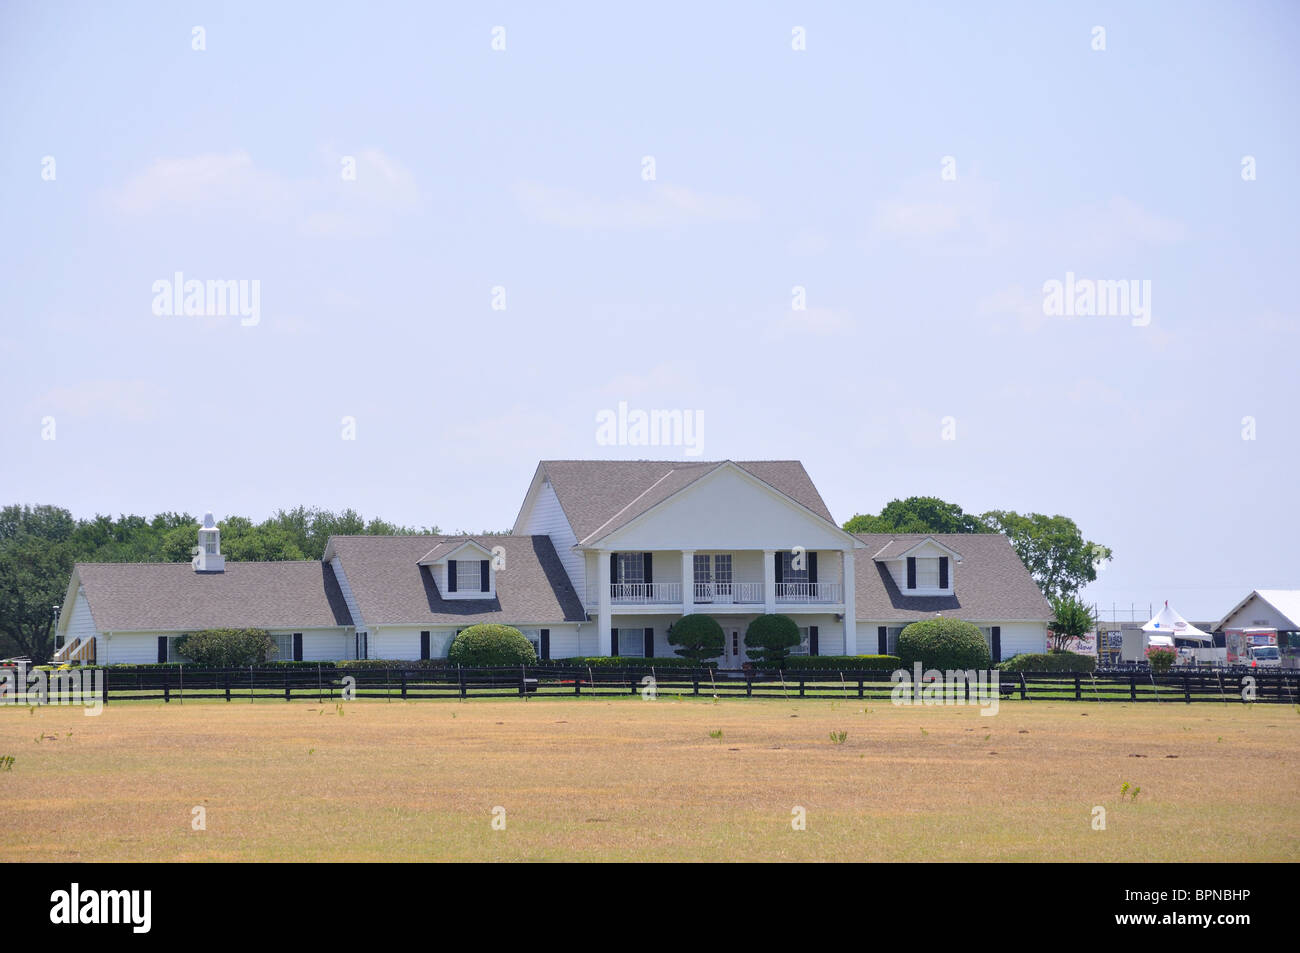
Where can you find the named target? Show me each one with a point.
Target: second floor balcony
(719, 594)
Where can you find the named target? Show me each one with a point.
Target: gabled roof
(1286, 602)
(391, 588)
(902, 547)
(172, 597)
(451, 547)
(992, 585)
(601, 496)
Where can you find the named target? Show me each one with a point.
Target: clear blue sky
(522, 168)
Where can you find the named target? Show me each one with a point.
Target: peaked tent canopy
(1168, 622)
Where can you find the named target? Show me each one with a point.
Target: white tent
(1169, 624)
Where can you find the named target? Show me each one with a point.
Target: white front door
(733, 646)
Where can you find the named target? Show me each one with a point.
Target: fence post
(1077, 693)
(103, 685)
(461, 674)
(403, 684)
(226, 676)
(286, 684)
(1132, 688)
(749, 684)
(1024, 689)
(801, 686)
(860, 686)
(695, 683)
(167, 689)
(577, 683)
(1187, 690)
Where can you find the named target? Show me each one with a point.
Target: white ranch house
(603, 558)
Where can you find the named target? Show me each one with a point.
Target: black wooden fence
(336, 683)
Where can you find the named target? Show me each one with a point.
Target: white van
(1264, 656)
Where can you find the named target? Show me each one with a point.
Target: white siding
(546, 518)
(81, 624)
(133, 648)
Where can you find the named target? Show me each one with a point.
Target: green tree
(1053, 550)
(1072, 619)
(35, 561)
(918, 514)
(769, 638)
(697, 636)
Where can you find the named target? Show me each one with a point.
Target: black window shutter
(451, 575)
(780, 568)
(613, 568)
(297, 646)
(613, 642)
(649, 639)
(882, 640)
(943, 572)
(546, 643)
(812, 568)
(483, 584)
(996, 639)
(647, 562)
(812, 640)
(424, 645)
(911, 572)
(162, 649)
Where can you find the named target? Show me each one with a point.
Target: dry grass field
(625, 779)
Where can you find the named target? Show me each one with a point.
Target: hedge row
(837, 662)
(614, 661)
(1049, 662)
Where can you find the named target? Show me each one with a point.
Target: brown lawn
(625, 779)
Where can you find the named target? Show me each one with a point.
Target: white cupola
(208, 557)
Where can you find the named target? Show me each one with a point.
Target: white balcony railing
(639, 593)
(729, 593)
(788, 592)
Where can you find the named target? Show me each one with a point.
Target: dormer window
(472, 575)
(462, 569)
(921, 567)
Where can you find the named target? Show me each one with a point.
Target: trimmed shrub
(1160, 659)
(226, 648)
(1050, 662)
(770, 638)
(697, 637)
(847, 663)
(489, 645)
(616, 661)
(943, 644)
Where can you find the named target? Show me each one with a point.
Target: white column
(769, 581)
(688, 581)
(604, 615)
(850, 606)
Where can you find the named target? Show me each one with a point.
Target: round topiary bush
(697, 636)
(489, 645)
(770, 638)
(943, 644)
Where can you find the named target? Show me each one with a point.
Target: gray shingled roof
(391, 588)
(172, 597)
(599, 496)
(992, 584)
